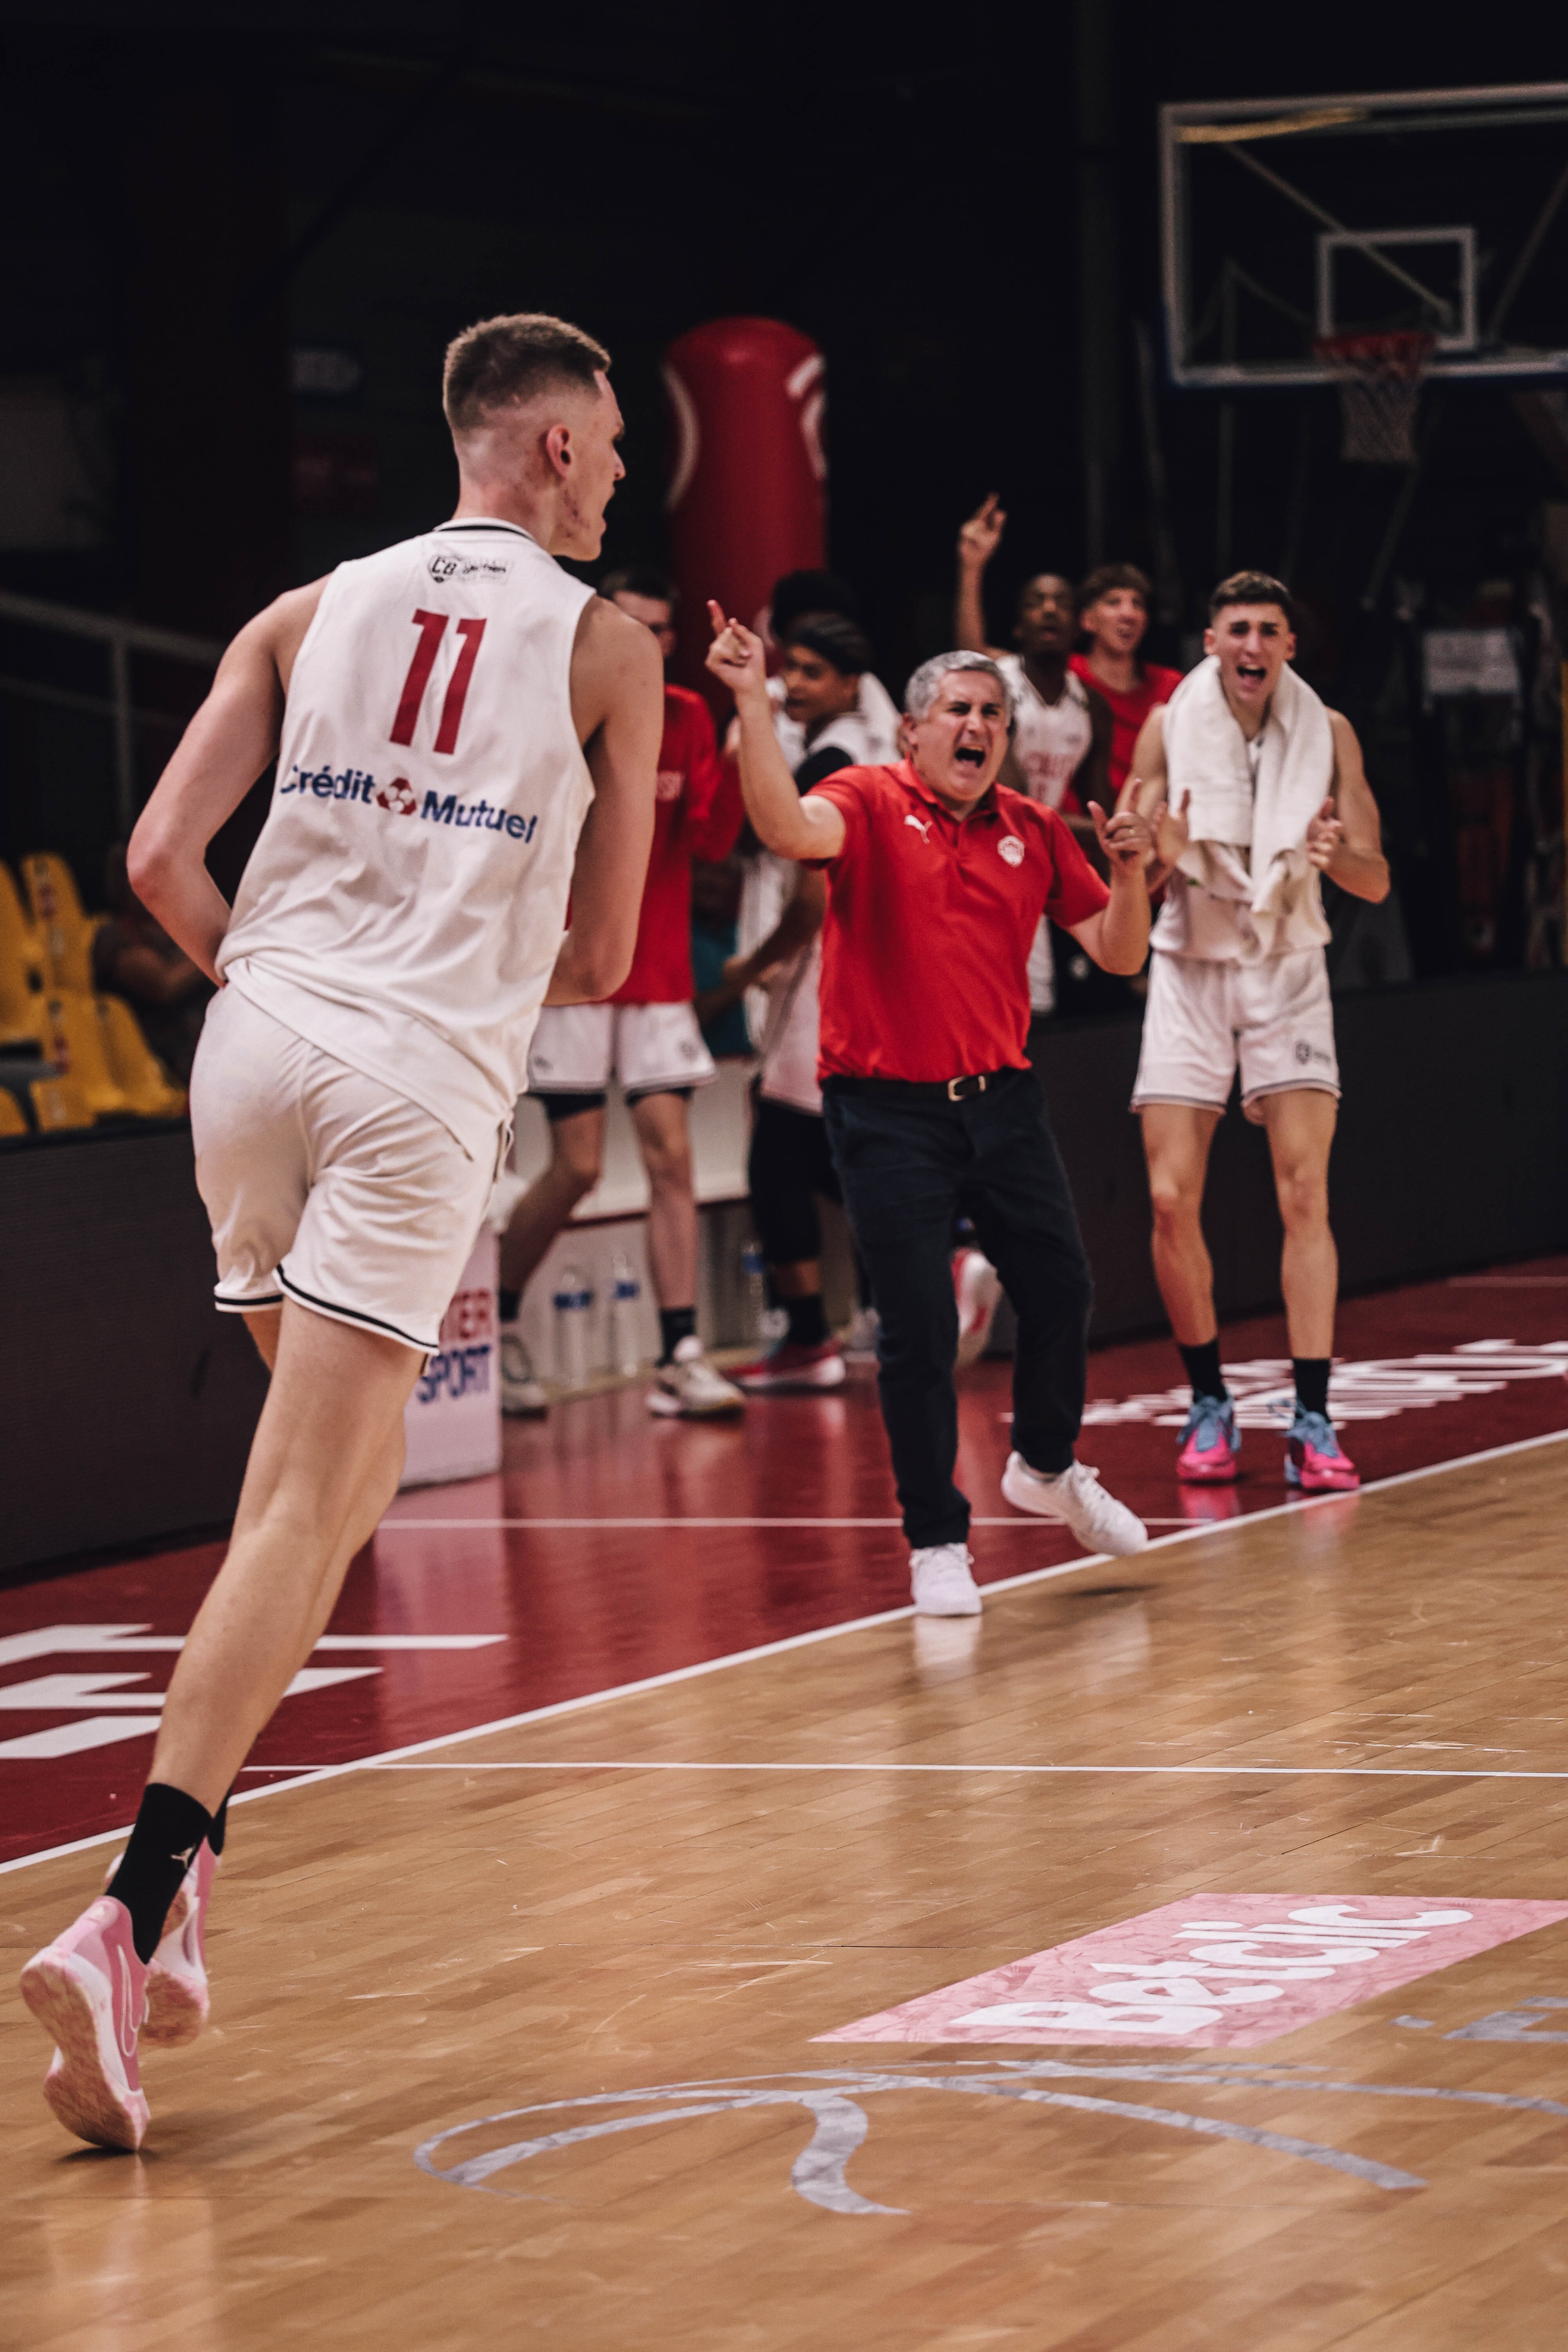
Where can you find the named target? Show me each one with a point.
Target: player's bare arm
(226, 746)
(978, 542)
(1146, 793)
(618, 710)
(1344, 840)
(784, 822)
(1117, 938)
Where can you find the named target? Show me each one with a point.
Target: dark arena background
(625, 1800)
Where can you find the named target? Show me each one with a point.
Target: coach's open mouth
(971, 755)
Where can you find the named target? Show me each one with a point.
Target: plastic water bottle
(624, 1350)
(754, 1280)
(572, 1301)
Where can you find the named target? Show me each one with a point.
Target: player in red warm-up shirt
(647, 1036)
(1113, 614)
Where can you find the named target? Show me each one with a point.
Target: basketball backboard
(1287, 220)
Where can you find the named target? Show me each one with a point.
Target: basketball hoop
(1380, 379)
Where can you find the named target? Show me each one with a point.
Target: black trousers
(790, 1166)
(908, 1166)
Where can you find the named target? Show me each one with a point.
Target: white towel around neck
(1206, 757)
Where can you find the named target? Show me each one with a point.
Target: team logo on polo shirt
(1011, 848)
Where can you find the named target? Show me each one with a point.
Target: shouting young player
(1259, 792)
(464, 736)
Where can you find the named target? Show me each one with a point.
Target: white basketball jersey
(1051, 738)
(1050, 741)
(404, 905)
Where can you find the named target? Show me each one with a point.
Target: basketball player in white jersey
(464, 735)
(1256, 790)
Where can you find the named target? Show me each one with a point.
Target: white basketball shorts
(650, 1048)
(1203, 1020)
(324, 1187)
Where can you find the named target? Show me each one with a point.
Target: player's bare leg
(576, 1154)
(1301, 1127)
(323, 1465)
(664, 1139)
(321, 1471)
(1177, 1138)
(1301, 1130)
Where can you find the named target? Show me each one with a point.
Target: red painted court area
(615, 1546)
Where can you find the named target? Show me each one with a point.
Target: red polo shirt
(925, 948)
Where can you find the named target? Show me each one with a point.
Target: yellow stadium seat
(65, 931)
(134, 1066)
(21, 963)
(73, 1036)
(12, 1118)
(59, 1103)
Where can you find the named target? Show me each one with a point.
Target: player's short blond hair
(500, 361)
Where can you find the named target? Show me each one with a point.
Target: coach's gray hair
(926, 684)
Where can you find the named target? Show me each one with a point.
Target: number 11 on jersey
(432, 628)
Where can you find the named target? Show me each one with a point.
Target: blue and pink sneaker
(1210, 1444)
(1314, 1459)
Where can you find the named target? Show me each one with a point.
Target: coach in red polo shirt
(937, 879)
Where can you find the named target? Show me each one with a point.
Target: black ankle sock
(675, 1324)
(1312, 1383)
(1203, 1370)
(169, 1828)
(219, 1829)
(509, 1301)
(807, 1323)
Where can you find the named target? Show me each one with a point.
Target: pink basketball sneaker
(1314, 1459)
(177, 1997)
(89, 1991)
(1211, 1443)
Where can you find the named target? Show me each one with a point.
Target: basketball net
(1380, 379)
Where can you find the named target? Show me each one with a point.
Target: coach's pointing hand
(736, 656)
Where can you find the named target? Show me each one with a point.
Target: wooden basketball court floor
(518, 2031)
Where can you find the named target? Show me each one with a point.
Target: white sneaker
(1076, 1497)
(521, 1393)
(860, 1339)
(689, 1385)
(977, 1286)
(940, 1583)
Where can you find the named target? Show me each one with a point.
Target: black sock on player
(807, 1320)
(1203, 1370)
(170, 1826)
(1312, 1383)
(675, 1324)
(219, 1829)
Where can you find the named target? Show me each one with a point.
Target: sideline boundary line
(1205, 1529)
(1124, 1772)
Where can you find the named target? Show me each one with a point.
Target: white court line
(1014, 1519)
(1191, 1771)
(803, 1640)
